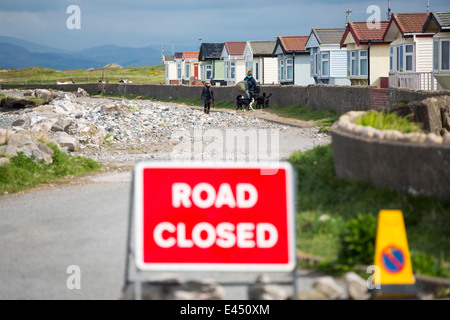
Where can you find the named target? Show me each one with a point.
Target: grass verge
(23, 173)
(326, 207)
(40, 75)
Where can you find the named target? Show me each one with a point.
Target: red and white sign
(206, 216)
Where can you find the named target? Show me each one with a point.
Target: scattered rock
(327, 286)
(173, 288)
(263, 290)
(356, 287)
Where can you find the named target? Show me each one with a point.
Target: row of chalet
(411, 50)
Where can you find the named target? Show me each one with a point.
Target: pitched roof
(178, 55)
(293, 43)
(168, 58)
(235, 48)
(190, 55)
(442, 20)
(362, 33)
(328, 35)
(210, 51)
(409, 22)
(262, 48)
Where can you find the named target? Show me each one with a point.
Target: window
(281, 70)
(363, 64)
(187, 69)
(312, 61)
(316, 62)
(445, 55)
(233, 70)
(409, 57)
(230, 69)
(257, 70)
(353, 64)
(435, 55)
(289, 69)
(391, 58)
(325, 64)
(208, 72)
(179, 71)
(358, 63)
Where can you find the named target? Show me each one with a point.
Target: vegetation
(40, 75)
(335, 218)
(23, 173)
(388, 121)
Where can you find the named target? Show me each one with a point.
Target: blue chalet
(328, 60)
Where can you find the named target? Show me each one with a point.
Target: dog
(262, 101)
(243, 103)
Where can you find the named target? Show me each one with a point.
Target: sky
(181, 25)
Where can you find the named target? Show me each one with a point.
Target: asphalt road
(47, 231)
(54, 237)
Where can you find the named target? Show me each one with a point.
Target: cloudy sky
(181, 23)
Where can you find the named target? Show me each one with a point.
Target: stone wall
(338, 98)
(417, 163)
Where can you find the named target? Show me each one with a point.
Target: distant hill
(17, 53)
(30, 46)
(12, 56)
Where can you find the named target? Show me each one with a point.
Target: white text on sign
(183, 195)
(224, 235)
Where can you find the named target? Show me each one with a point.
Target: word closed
(207, 217)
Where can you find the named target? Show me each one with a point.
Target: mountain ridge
(18, 53)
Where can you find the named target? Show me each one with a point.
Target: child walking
(207, 97)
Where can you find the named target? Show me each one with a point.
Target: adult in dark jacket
(251, 86)
(207, 97)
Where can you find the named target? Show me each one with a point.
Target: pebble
(148, 129)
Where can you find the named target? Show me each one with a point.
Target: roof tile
(410, 22)
(235, 48)
(294, 43)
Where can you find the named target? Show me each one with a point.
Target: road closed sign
(217, 217)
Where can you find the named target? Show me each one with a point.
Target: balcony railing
(413, 80)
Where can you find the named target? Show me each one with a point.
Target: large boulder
(66, 141)
(86, 132)
(28, 144)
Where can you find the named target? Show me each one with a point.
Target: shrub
(357, 241)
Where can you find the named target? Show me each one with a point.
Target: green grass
(388, 121)
(322, 118)
(23, 173)
(321, 194)
(40, 75)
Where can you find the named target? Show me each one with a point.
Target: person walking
(251, 87)
(207, 97)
